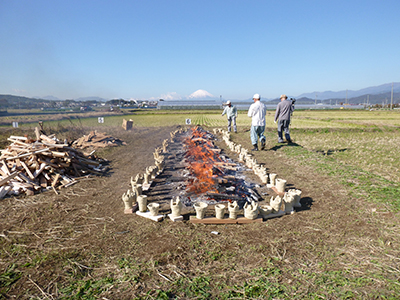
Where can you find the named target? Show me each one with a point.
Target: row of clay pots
(135, 196)
(173, 133)
(251, 162)
(251, 210)
(175, 205)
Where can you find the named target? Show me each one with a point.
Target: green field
(345, 246)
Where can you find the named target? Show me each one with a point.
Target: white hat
(228, 102)
(256, 96)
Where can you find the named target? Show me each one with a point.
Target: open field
(343, 244)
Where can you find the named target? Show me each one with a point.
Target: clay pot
(272, 178)
(176, 207)
(146, 178)
(265, 210)
(264, 178)
(138, 189)
(142, 201)
(220, 211)
(128, 198)
(275, 203)
(280, 185)
(251, 210)
(153, 208)
(139, 178)
(154, 170)
(288, 200)
(200, 208)
(133, 183)
(233, 209)
(297, 197)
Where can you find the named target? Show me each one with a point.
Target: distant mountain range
(380, 89)
(372, 95)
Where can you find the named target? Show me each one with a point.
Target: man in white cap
(283, 112)
(231, 114)
(257, 114)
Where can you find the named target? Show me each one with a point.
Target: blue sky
(152, 49)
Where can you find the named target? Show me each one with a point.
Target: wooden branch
(27, 170)
(8, 178)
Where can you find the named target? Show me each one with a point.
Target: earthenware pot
(288, 200)
(272, 178)
(128, 198)
(142, 202)
(276, 203)
(220, 211)
(265, 210)
(297, 197)
(176, 207)
(200, 208)
(280, 185)
(233, 209)
(251, 210)
(153, 208)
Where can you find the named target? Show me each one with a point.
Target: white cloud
(168, 96)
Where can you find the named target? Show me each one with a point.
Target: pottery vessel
(281, 185)
(128, 198)
(233, 209)
(272, 178)
(176, 207)
(220, 211)
(251, 210)
(297, 197)
(142, 202)
(288, 201)
(153, 208)
(138, 189)
(200, 208)
(265, 210)
(275, 203)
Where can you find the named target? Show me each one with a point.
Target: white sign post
(188, 121)
(101, 120)
(15, 124)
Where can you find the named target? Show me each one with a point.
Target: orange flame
(201, 159)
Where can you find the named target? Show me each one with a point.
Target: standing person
(283, 112)
(257, 114)
(231, 114)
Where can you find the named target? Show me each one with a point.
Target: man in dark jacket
(283, 112)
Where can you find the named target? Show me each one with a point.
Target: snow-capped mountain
(200, 94)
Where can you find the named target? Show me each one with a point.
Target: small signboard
(101, 120)
(15, 124)
(188, 121)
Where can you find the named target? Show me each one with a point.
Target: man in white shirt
(231, 114)
(257, 113)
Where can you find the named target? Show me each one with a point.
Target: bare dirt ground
(80, 245)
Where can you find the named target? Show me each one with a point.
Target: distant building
(189, 104)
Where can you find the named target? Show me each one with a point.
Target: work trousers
(230, 121)
(283, 126)
(257, 132)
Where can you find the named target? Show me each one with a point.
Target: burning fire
(202, 157)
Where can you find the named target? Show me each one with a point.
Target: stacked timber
(29, 166)
(97, 140)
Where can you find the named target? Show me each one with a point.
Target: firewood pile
(29, 166)
(97, 140)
